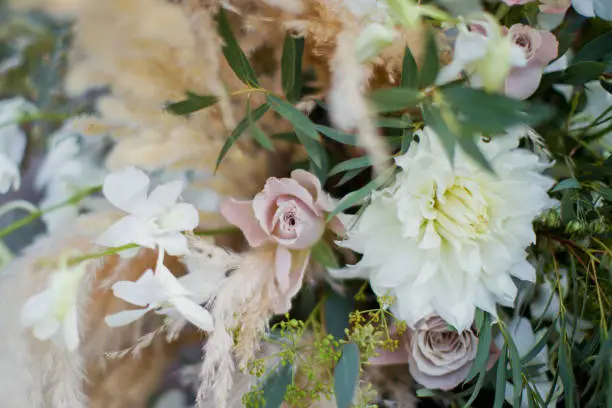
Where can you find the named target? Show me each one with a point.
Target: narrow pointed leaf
(346, 375)
(337, 135)
(291, 68)
(193, 103)
(351, 164)
(232, 52)
(395, 99)
(410, 73)
(431, 62)
(258, 134)
(500, 381)
(239, 130)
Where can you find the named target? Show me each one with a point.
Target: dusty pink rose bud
(437, 356)
(289, 212)
(540, 47)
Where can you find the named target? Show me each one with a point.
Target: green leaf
(337, 309)
(232, 52)
(346, 375)
(350, 164)
(297, 118)
(500, 381)
(483, 112)
(349, 175)
(581, 73)
(239, 130)
(313, 148)
(426, 393)
(354, 197)
(476, 391)
(324, 255)
(515, 364)
(484, 348)
(431, 63)
(566, 374)
(433, 118)
(395, 99)
(469, 146)
(193, 103)
(595, 49)
(275, 386)
(291, 68)
(394, 123)
(535, 350)
(407, 138)
(257, 134)
(337, 135)
(566, 184)
(410, 72)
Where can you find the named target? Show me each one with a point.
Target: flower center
(461, 212)
(287, 218)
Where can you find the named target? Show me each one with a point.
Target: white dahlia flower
(446, 239)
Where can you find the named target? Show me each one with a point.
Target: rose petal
(282, 267)
(549, 48)
(444, 382)
(311, 183)
(240, 214)
(523, 82)
(299, 263)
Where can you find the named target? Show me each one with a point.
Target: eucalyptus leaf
(431, 62)
(337, 309)
(239, 130)
(500, 381)
(337, 135)
(410, 74)
(291, 68)
(193, 103)
(275, 386)
(257, 134)
(484, 348)
(395, 99)
(346, 375)
(566, 184)
(348, 176)
(232, 52)
(595, 49)
(433, 118)
(350, 164)
(324, 255)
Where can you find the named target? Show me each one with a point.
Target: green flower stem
(75, 199)
(95, 255)
(218, 231)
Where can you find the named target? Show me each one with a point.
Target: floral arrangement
(306, 203)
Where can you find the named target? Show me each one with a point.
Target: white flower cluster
(447, 238)
(155, 220)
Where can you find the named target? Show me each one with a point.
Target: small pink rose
(540, 47)
(288, 212)
(437, 356)
(517, 2)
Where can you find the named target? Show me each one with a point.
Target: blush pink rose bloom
(517, 2)
(541, 47)
(289, 213)
(437, 356)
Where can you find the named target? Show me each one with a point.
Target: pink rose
(437, 356)
(541, 47)
(517, 2)
(289, 213)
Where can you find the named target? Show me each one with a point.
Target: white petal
(45, 328)
(193, 312)
(71, 329)
(523, 270)
(584, 7)
(125, 317)
(603, 9)
(175, 244)
(126, 189)
(430, 239)
(182, 217)
(168, 282)
(147, 290)
(36, 308)
(128, 230)
(167, 194)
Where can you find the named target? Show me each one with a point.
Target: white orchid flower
(155, 220)
(160, 291)
(52, 313)
(485, 54)
(12, 141)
